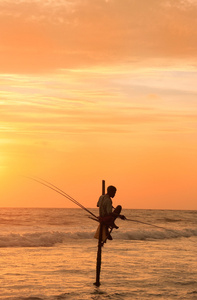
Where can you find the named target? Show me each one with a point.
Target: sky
(94, 90)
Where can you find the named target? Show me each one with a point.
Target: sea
(51, 254)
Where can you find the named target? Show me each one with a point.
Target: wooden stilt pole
(103, 187)
(98, 265)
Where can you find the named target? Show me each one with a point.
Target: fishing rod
(149, 224)
(94, 217)
(61, 192)
(56, 188)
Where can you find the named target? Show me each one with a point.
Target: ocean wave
(157, 234)
(172, 220)
(37, 239)
(51, 238)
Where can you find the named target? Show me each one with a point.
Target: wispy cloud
(42, 36)
(98, 102)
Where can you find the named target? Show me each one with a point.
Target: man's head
(111, 191)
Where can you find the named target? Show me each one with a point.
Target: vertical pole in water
(103, 187)
(98, 266)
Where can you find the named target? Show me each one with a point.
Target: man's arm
(99, 201)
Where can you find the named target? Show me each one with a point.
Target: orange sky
(93, 90)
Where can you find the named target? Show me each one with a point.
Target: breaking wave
(158, 234)
(52, 238)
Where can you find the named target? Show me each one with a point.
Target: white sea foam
(156, 234)
(51, 238)
(50, 254)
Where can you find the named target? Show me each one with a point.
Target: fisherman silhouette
(107, 215)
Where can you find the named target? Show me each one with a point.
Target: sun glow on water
(84, 101)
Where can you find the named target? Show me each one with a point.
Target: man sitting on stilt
(107, 215)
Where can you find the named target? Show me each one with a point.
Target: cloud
(57, 117)
(82, 106)
(42, 36)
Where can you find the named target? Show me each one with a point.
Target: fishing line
(137, 222)
(149, 224)
(61, 192)
(56, 188)
(95, 218)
